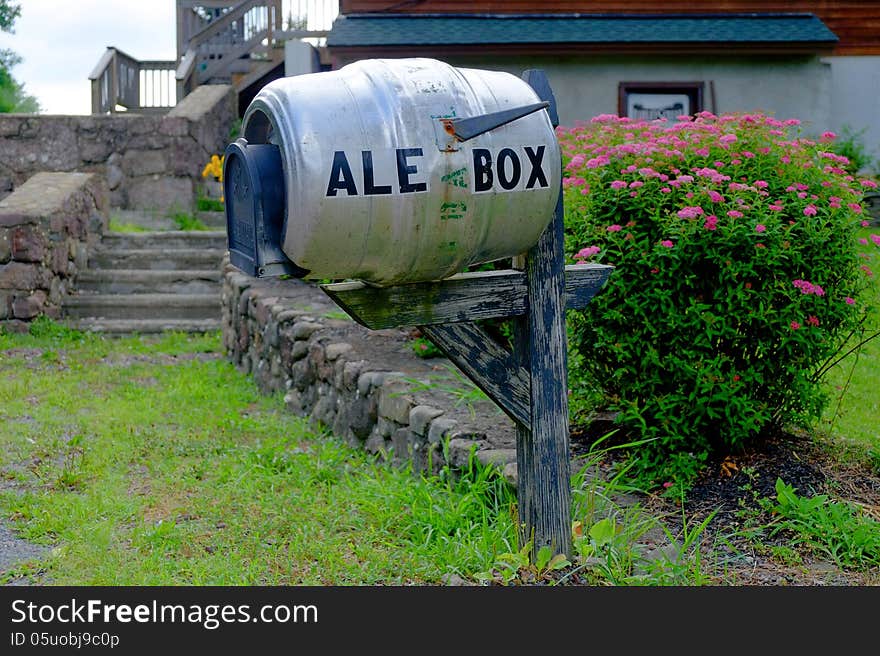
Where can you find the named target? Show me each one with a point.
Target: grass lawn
(154, 462)
(854, 384)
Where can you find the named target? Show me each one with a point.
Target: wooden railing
(228, 40)
(248, 28)
(309, 20)
(120, 80)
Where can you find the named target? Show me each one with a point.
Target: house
(816, 61)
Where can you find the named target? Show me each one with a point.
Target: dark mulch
(732, 487)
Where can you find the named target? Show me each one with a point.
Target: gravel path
(14, 550)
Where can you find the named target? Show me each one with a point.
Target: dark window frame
(693, 90)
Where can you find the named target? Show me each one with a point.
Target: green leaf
(559, 561)
(543, 557)
(785, 494)
(602, 532)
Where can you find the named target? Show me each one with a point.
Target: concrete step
(160, 221)
(157, 258)
(142, 306)
(170, 239)
(143, 219)
(148, 282)
(144, 281)
(214, 220)
(118, 327)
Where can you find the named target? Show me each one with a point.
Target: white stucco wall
(784, 87)
(855, 99)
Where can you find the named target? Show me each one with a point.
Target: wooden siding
(856, 23)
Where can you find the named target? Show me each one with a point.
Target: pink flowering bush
(737, 278)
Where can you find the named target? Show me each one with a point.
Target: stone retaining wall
(366, 386)
(148, 161)
(47, 226)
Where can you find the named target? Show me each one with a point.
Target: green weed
(609, 533)
(424, 348)
(188, 222)
(205, 204)
(842, 532)
(337, 315)
(456, 385)
(115, 225)
(519, 567)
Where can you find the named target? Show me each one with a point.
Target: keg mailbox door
(379, 187)
(253, 186)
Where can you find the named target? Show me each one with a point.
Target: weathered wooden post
(431, 169)
(542, 450)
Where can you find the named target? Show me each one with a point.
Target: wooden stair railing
(119, 79)
(230, 41)
(216, 50)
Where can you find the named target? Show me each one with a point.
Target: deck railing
(215, 39)
(121, 81)
(245, 29)
(309, 20)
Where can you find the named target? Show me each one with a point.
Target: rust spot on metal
(448, 126)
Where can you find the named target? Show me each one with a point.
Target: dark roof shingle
(417, 30)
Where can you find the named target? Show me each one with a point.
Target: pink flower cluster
(690, 212)
(709, 182)
(807, 287)
(679, 156)
(587, 253)
(811, 320)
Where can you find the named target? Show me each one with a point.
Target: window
(652, 100)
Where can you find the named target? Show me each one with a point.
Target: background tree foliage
(13, 97)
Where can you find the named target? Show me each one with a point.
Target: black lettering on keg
(536, 159)
(370, 188)
(483, 178)
(405, 170)
(341, 176)
(508, 183)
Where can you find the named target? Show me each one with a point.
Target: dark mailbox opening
(253, 188)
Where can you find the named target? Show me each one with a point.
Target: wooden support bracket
(463, 297)
(491, 368)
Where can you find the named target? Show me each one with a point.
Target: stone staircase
(149, 282)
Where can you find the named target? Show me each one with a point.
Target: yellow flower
(214, 168)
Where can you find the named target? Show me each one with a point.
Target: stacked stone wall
(366, 386)
(47, 227)
(150, 162)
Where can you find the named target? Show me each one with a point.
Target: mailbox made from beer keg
(355, 173)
